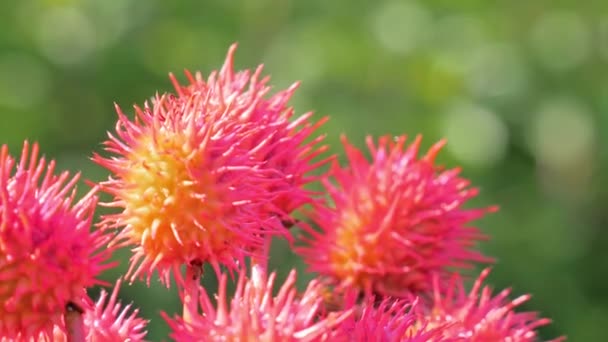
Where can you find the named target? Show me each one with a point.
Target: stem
(259, 264)
(74, 321)
(192, 283)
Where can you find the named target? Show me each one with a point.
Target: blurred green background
(517, 87)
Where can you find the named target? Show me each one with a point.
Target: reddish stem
(192, 283)
(259, 264)
(74, 321)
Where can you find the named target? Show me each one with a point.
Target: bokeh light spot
(66, 36)
(496, 70)
(401, 26)
(561, 132)
(110, 19)
(456, 36)
(561, 40)
(296, 55)
(476, 135)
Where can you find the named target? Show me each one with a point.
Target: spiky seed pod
(48, 252)
(202, 176)
(255, 314)
(283, 142)
(480, 316)
(389, 320)
(394, 221)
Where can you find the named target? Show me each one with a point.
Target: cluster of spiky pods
(209, 175)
